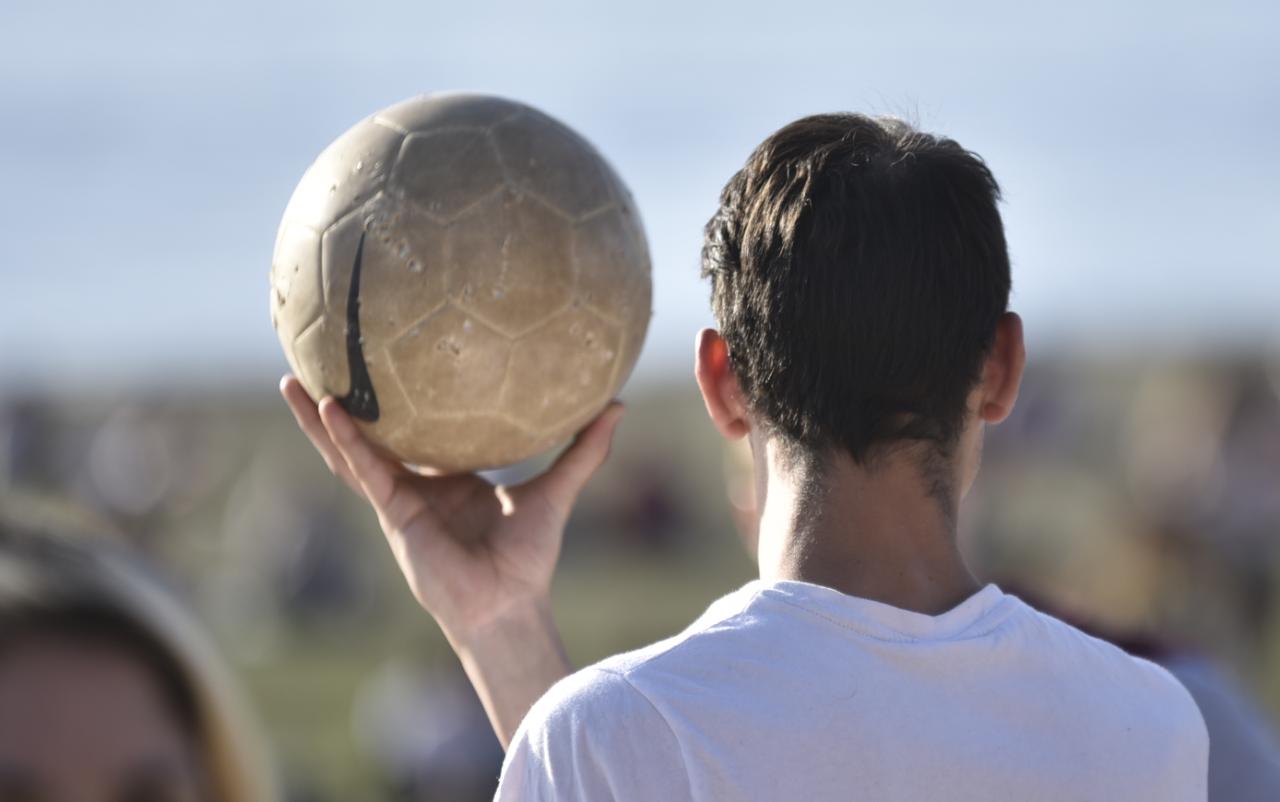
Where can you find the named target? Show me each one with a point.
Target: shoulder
(1123, 687)
(616, 688)
(1106, 663)
(593, 736)
(726, 618)
(587, 702)
(598, 734)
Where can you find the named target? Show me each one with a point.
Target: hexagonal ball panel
(561, 373)
(464, 443)
(444, 172)
(547, 159)
(450, 363)
(449, 110)
(344, 175)
(511, 263)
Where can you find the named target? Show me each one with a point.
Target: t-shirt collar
(975, 616)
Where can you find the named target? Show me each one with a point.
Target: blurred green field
(604, 605)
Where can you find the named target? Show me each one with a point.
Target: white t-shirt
(791, 691)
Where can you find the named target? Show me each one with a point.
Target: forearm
(511, 662)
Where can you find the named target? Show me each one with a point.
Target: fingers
(308, 418)
(375, 473)
(571, 471)
(349, 455)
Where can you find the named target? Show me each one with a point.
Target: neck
(886, 534)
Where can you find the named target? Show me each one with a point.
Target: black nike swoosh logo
(360, 401)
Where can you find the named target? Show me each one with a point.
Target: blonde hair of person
(44, 573)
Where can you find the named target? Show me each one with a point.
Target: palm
(465, 556)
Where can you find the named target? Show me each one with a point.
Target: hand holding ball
(467, 276)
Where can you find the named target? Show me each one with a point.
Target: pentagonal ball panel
(297, 297)
(546, 158)
(444, 172)
(450, 363)
(320, 356)
(612, 265)
(511, 262)
(562, 373)
(402, 268)
(613, 277)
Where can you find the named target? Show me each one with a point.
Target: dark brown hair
(858, 270)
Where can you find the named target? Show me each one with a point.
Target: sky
(147, 151)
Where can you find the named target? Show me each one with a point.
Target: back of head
(858, 270)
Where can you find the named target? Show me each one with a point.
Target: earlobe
(719, 387)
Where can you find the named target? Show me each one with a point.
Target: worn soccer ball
(466, 275)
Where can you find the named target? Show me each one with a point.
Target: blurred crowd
(1139, 499)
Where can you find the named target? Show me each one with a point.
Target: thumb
(571, 471)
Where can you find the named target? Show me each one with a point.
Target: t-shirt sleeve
(593, 737)
(1179, 739)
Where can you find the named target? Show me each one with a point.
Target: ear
(1002, 372)
(721, 392)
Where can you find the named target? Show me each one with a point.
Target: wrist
(516, 621)
(512, 658)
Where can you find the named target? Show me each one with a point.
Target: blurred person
(109, 689)
(860, 278)
(1244, 754)
(650, 516)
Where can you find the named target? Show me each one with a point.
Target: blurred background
(147, 151)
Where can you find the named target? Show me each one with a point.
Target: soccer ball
(466, 275)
